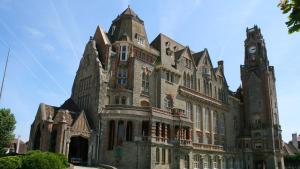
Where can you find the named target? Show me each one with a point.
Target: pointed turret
(128, 27)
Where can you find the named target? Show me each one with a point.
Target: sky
(47, 39)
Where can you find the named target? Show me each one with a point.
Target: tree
(293, 8)
(7, 126)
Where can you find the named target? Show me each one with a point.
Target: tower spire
(4, 73)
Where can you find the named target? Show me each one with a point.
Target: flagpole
(4, 73)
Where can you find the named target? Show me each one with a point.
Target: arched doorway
(78, 150)
(37, 138)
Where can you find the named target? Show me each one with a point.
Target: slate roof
(197, 56)
(290, 149)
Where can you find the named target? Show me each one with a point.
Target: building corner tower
(261, 137)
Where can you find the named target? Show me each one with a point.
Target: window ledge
(171, 83)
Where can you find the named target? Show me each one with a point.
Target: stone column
(212, 126)
(211, 161)
(166, 132)
(220, 162)
(153, 131)
(202, 160)
(159, 132)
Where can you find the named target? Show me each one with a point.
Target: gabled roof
(81, 122)
(197, 56)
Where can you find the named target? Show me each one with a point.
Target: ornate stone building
(142, 105)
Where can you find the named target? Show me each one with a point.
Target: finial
(128, 6)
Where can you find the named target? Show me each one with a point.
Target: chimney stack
(294, 140)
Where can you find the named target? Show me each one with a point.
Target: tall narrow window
(216, 122)
(123, 53)
(111, 138)
(145, 128)
(117, 100)
(163, 156)
(157, 155)
(206, 125)
(188, 80)
(168, 102)
(129, 131)
(192, 82)
(124, 100)
(188, 110)
(145, 82)
(222, 124)
(184, 79)
(198, 117)
(122, 76)
(121, 132)
(186, 162)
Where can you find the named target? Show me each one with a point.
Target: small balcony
(210, 147)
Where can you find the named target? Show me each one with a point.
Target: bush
(44, 160)
(11, 162)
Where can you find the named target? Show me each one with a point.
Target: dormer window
(123, 52)
(140, 40)
(188, 63)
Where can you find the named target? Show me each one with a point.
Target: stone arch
(37, 138)
(78, 149)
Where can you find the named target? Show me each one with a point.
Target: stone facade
(136, 104)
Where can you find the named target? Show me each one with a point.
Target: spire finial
(128, 6)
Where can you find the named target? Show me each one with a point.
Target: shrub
(11, 162)
(44, 160)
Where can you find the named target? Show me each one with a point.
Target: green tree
(293, 8)
(7, 126)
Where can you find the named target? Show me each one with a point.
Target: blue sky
(47, 39)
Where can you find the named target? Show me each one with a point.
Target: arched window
(168, 102)
(184, 80)
(157, 155)
(129, 131)
(188, 81)
(53, 141)
(192, 81)
(111, 138)
(210, 90)
(145, 82)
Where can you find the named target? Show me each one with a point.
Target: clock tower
(261, 135)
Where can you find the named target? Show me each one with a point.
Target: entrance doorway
(78, 150)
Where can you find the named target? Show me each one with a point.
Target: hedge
(11, 162)
(34, 160)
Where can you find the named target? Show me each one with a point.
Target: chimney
(294, 140)
(221, 64)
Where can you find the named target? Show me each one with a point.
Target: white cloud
(33, 32)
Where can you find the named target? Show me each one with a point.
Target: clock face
(252, 49)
